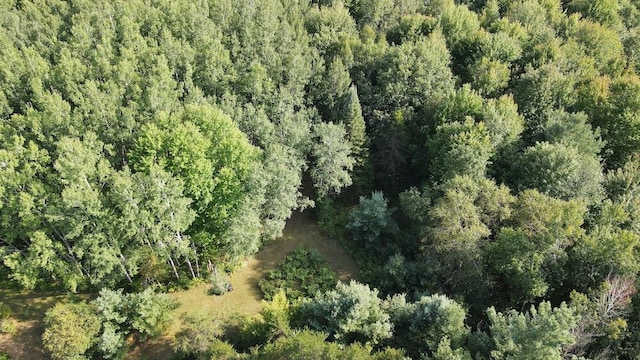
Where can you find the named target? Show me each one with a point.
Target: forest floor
(245, 299)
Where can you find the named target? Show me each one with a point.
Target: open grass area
(29, 307)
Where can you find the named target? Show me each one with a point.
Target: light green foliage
(328, 27)
(150, 312)
(140, 140)
(457, 22)
(131, 87)
(603, 44)
(112, 343)
(459, 224)
(311, 345)
(573, 130)
(619, 120)
(459, 105)
(332, 157)
(71, 330)
(301, 274)
(112, 306)
(540, 90)
(466, 213)
(445, 352)
(430, 326)
(103, 325)
(461, 149)
(282, 174)
(503, 122)
(537, 334)
(529, 256)
(605, 12)
(409, 75)
(488, 76)
(559, 171)
(351, 312)
(549, 219)
(206, 150)
(220, 283)
(271, 323)
(622, 186)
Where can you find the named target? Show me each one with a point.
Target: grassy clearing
(246, 296)
(28, 308)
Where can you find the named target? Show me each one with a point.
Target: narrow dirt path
(301, 230)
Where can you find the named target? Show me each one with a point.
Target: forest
(479, 159)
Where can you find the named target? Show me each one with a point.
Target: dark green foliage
(302, 273)
(371, 223)
(430, 325)
(151, 312)
(332, 217)
(197, 337)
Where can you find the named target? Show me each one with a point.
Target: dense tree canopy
(493, 145)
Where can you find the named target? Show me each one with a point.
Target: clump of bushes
(220, 282)
(100, 327)
(303, 273)
(7, 326)
(5, 311)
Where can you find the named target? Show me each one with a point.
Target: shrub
(220, 283)
(270, 324)
(8, 326)
(196, 337)
(352, 312)
(332, 217)
(5, 311)
(71, 330)
(150, 312)
(303, 273)
(222, 350)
